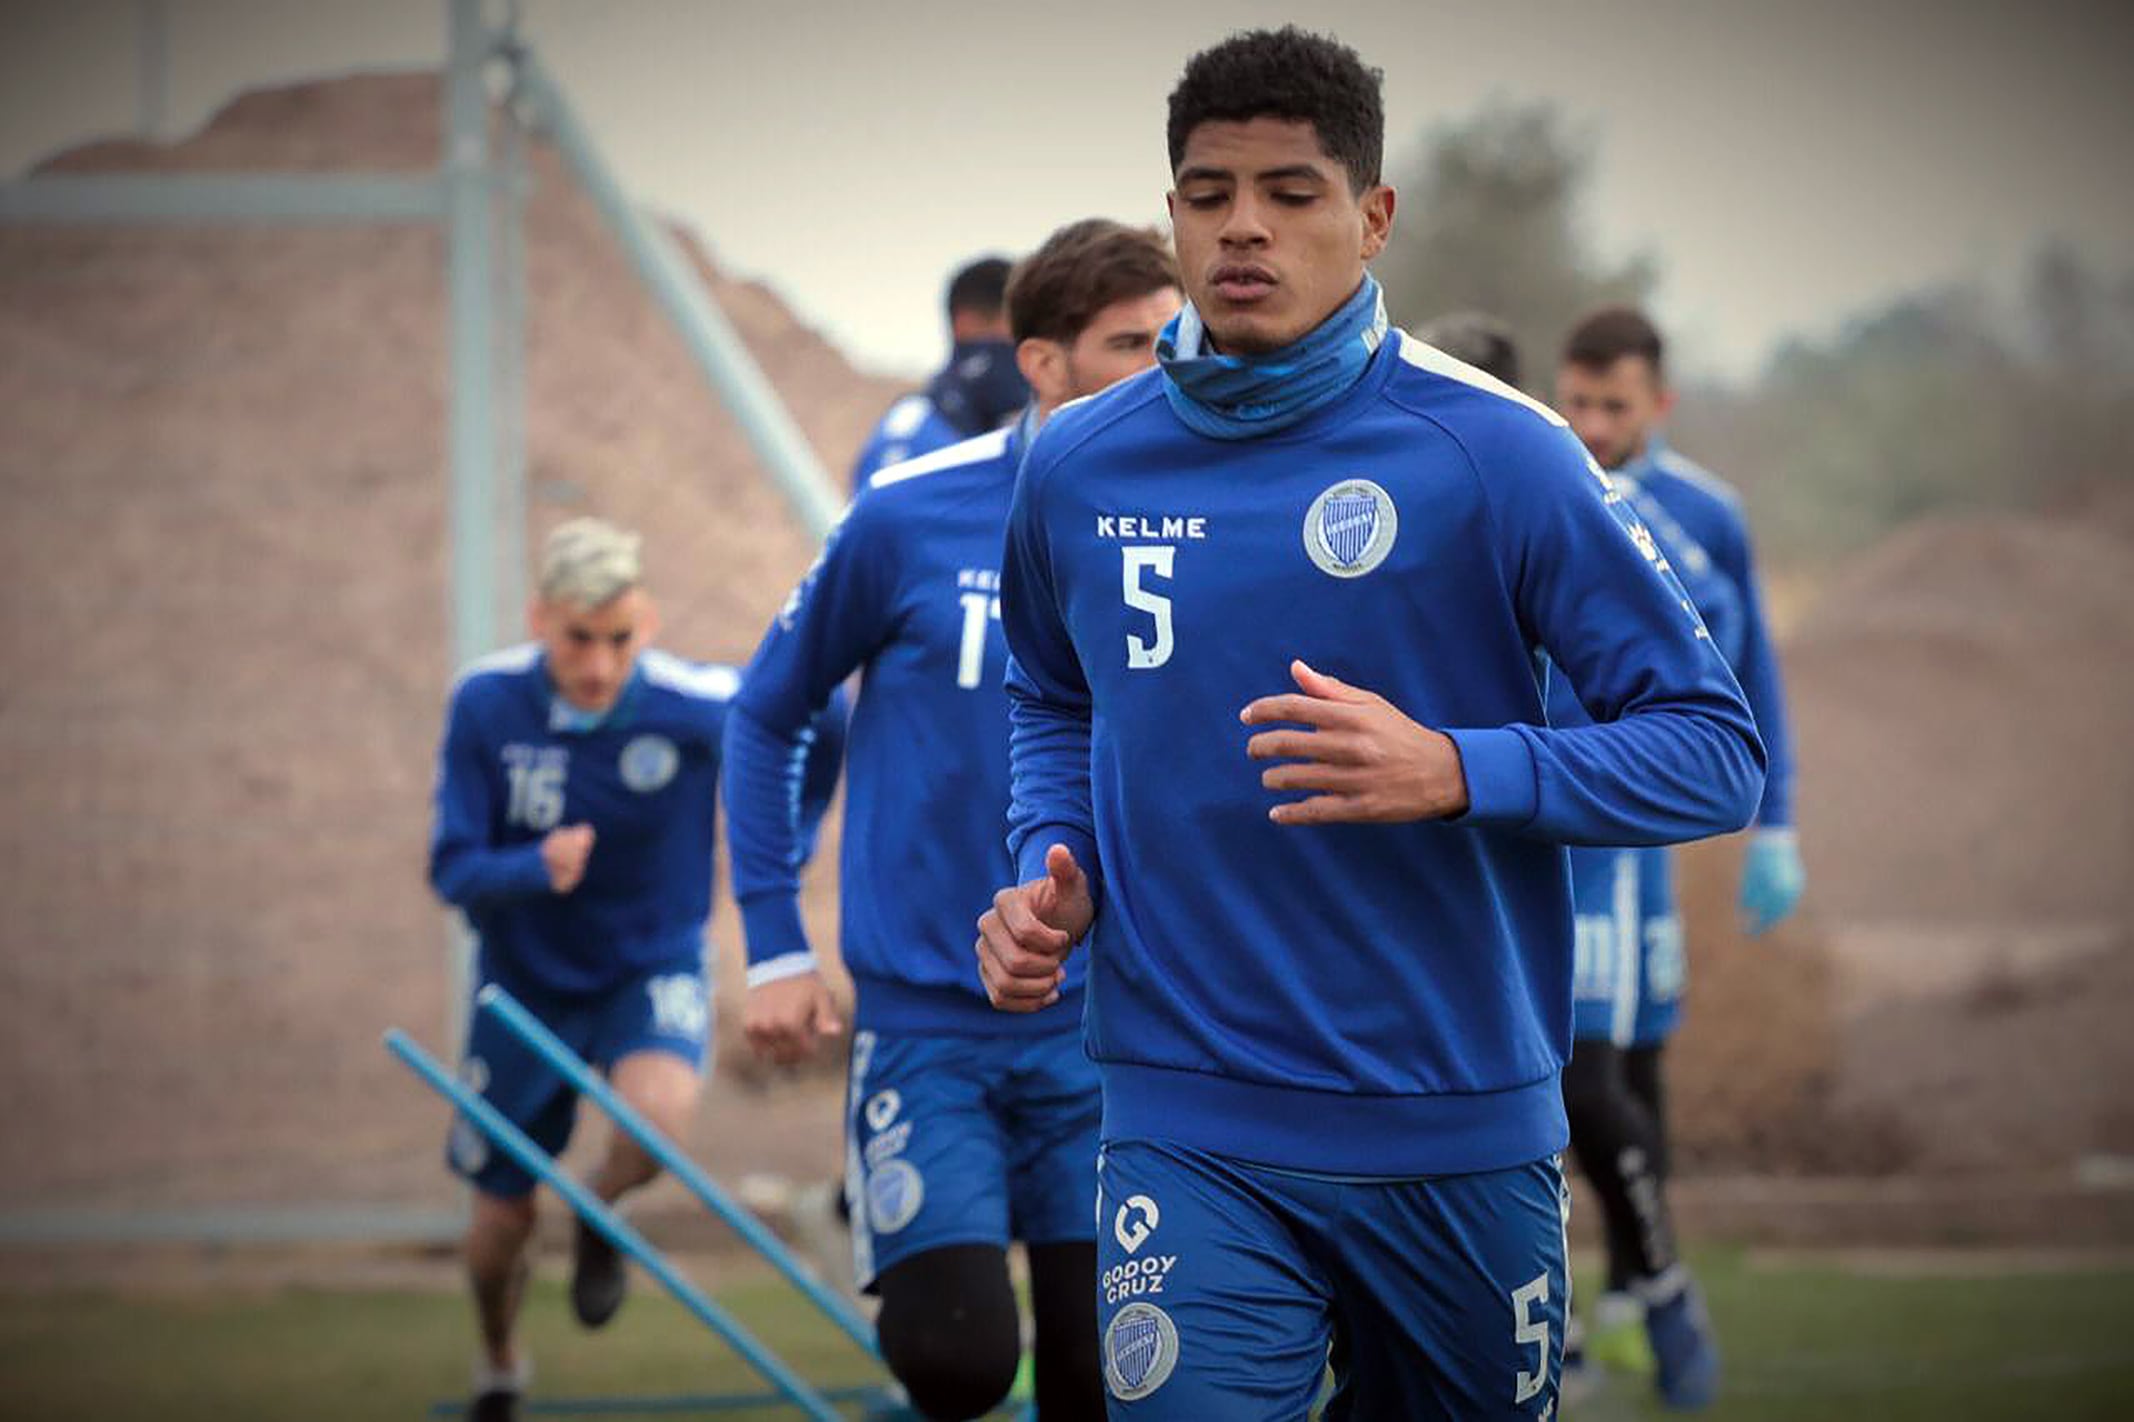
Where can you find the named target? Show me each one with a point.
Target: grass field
(1804, 1340)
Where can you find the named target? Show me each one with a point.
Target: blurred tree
(1949, 397)
(1943, 399)
(1489, 220)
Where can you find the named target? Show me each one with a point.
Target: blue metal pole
(612, 1226)
(705, 331)
(567, 1063)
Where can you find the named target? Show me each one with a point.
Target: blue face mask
(981, 386)
(1243, 397)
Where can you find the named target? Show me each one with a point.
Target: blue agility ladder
(790, 1387)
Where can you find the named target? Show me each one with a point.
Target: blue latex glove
(1771, 879)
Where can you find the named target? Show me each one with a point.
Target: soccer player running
(575, 825)
(981, 386)
(967, 1128)
(1329, 928)
(1612, 387)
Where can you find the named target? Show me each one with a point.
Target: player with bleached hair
(574, 828)
(966, 1129)
(1328, 927)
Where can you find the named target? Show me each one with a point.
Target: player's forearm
(818, 777)
(1662, 775)
(1049, 797)
(1049, 791)
(763, 775)
(467, 876)
(1673, 753)
(1760, 683)
(777, 940)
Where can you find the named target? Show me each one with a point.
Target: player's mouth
(1241, 283)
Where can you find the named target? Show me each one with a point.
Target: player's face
(1613, 408)
(1270, 239)
(591, 650)
(1119, 341)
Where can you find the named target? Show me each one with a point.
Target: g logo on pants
(1136, 1221)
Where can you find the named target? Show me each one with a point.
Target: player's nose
(1245, 223)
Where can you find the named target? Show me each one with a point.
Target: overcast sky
(1789, 161)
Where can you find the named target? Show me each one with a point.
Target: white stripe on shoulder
(1424, 356)
(905, 417)
(1690, 471)
(707, 681)
(1077, 400)
(971, 451)
(504, 659)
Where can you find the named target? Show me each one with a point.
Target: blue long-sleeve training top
(1379, 999)
(1708, 511)
(1623, 900)
(907, 593)
(513, 766)
(908, 429)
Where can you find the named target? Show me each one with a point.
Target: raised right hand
(1024, 939)
(564, 853)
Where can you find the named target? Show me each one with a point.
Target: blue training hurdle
(567, 1063)
(790, 1388)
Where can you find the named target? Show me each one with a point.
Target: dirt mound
(1961, 695)
(2020, 1063)
(225, 476)
(1964, 693)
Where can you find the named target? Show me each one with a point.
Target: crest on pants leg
(1140, 1349)
(895, 1190)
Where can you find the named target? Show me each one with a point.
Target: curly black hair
(1287, 74)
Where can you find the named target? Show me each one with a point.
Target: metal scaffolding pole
(473, 335)
(710, 339)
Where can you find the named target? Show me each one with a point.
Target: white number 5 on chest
(1143, 654)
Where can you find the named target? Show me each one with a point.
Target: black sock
(1618, 1145)
(1063, 1305)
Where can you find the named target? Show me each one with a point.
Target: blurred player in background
(575, 825)
(980, 388)
(1481, 340)
(1330, 948)
(967, 1128)
(1612, 386)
